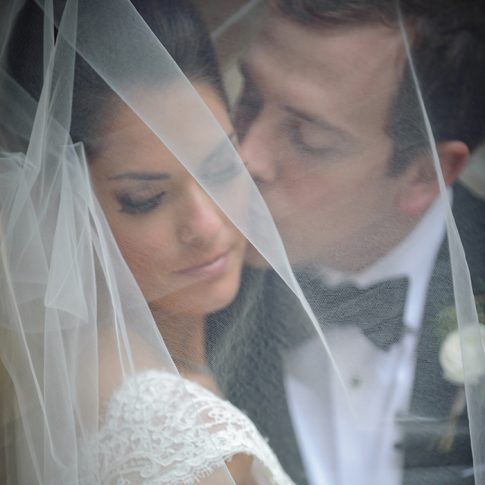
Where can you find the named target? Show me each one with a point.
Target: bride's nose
(200, 219)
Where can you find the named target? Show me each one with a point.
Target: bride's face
(184, 253)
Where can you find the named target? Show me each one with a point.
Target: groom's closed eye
(315, 148)
(317, 137)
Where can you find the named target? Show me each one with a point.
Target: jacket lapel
(430, 421)
(434, 438)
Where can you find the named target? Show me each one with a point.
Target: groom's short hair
(448, 49)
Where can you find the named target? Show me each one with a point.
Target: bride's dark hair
(176, 23)
(180, 29)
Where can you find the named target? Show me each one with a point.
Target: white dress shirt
(350, 438)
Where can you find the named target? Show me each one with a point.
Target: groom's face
(312, 120)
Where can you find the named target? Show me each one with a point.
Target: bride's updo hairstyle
(176, 23)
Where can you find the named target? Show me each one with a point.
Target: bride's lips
(215, 266)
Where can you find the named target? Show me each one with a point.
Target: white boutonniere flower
(451, 357)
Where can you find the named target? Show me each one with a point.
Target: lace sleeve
(162, 429)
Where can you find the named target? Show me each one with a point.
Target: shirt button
(355, 382)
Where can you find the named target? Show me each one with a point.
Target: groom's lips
(214, 266)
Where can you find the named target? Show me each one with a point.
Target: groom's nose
(257, 150)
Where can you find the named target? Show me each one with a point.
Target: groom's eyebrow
(318, 121)
(142, 176)
(321, 123)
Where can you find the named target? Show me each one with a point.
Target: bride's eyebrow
(222, 144)
(153, 176)
(143, 176)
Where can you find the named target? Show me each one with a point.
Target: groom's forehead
(367, 53)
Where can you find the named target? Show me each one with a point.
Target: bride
(90, 393)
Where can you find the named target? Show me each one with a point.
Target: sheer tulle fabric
(75, 329)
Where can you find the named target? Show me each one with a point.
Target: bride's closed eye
(130, 204)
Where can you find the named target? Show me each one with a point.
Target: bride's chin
(213, 298)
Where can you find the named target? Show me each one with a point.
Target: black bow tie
(378, 310)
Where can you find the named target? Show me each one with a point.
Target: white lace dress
(159, 428)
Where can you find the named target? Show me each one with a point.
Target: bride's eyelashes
(138, 205)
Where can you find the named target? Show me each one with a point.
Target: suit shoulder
(469, 213)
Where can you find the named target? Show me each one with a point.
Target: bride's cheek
(141, 257)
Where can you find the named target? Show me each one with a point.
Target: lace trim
(162, 429)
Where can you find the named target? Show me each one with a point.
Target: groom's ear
(420, 186)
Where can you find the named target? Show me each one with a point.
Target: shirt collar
(413, 258)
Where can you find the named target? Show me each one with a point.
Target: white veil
(74, 324)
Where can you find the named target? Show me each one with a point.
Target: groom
(327, 122)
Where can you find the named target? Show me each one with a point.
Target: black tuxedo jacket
(251, 375)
